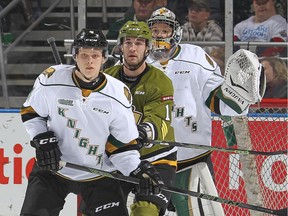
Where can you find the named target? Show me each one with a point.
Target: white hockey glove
(245, 81)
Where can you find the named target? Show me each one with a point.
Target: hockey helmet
(89, 38)
(135, 29)
(164, 47)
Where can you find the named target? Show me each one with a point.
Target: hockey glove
(145, 134)
(47, 151)
(143, 139)
(150, 180)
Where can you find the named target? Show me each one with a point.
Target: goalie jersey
(195, 76)
(91, 125)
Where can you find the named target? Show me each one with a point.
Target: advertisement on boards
(16, 161)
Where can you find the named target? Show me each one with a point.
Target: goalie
(199, 88)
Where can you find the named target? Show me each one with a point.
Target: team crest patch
(49, 71)
(128, 94)
(209, 60)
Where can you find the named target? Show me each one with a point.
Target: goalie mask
(89, 38)
(164, 41)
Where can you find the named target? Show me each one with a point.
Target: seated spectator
(180, 8)
(276, 77)
(200, 27)
(265, 25)
(141, 11)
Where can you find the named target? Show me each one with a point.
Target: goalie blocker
(245, 81)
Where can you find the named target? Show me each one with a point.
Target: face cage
(163, 48)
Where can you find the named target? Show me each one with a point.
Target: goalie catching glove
(150, 180)
(47, 151)
(245, 81)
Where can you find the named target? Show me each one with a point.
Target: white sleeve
(38, 102)
(35, 126)
(126, 162)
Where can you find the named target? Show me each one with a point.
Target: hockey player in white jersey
(78, 114)
(199, 88)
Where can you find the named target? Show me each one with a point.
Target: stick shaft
(55, 52)
(214, 148)
(133, 180)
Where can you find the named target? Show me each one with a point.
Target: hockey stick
(213, 148)
(281, 212)
(56, 55)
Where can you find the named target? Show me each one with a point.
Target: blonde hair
(279, 67)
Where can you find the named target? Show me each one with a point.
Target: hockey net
(253, 179)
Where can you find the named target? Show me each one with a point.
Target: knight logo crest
(128, 94)
(49, 71)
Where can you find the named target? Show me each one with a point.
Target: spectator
(265, 25)
(30, 14)
(180, 8)
(276, 77)
(199, 26)
(140, 11)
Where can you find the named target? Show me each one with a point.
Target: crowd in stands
(257, 20)
(203, 20)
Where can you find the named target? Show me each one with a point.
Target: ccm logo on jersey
(182, 72)
(166, 98)
(107, 206)
(100, 110)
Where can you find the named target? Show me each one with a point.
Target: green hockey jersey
(152, 93)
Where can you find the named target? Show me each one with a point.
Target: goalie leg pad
(143, 208)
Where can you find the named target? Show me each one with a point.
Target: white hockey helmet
(163, 48)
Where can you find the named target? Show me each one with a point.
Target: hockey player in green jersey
(152, 93)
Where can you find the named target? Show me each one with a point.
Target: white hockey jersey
(194, 75)
(84, 123)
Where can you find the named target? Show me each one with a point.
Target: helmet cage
(169, 44)
(168, 17)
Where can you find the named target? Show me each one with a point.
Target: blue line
(266, 115)
(9, 110)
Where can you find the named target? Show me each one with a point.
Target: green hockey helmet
(135, 29)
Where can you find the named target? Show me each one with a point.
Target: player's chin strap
(114, 175)
(245, 81)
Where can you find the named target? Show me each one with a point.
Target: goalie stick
(118, 176)
(213, 148)
(51, 42)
